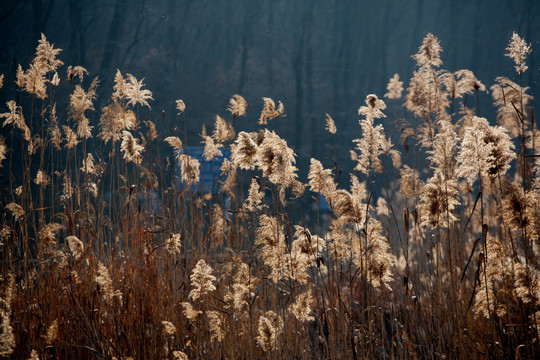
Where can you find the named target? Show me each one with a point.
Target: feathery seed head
(270, 328)
(76, 246)
(73, 71)
(16, 210)
(45, 58)
(244, 152)
(201, 280)
(320, 179)
(15, 117)
(179, 355)
(42, 179)
(71, 138)
(47, 233)
(211, 149)
(276, 159)
(131, 148)
(302, 307)
(428, 53)
(527, 283)
(190, 312)
(223, 131)
(174, 244)
(374, 107)
(79, 102)
(269, 111)
(180, 106)
(114, 119)
(189, 169)
(168, 328)
(52, 333)
(103, 279)
(330, 125)
(237, 105)
(518, 50)
(134, 92)
(3, 150)
(272, 248)
(88, 165)
(255, 196)
(216, 323)
(394, 87)
(468, 82)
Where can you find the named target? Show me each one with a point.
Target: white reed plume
(330, 125)
(394, 87)
(237, 105)
(202, 280)
(518, 50)
(131, 148)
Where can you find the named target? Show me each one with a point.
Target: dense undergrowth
(113, 248)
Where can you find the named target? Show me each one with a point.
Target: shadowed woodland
(276, 180)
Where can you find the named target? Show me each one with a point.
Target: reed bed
(113, 248)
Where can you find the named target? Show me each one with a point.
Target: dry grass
(106, 254)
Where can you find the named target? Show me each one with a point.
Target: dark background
(316, 57)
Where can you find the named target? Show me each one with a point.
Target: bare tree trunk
(384, 31)
(416, 36)
(40, 18)
(478, 14)
(251, 12)
(114, 37)
(177, 35)
(302, 64)
(270, 46)
(77, 35)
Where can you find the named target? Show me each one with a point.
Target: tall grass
(112, 247)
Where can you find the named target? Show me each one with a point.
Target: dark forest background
(315, 56)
